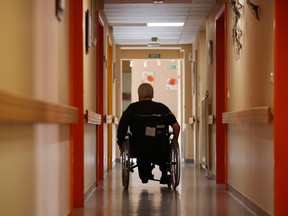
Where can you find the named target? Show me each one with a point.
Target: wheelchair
(151, 129)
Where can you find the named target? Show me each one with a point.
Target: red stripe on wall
(281, 109)
(221, 99)
(76, 99)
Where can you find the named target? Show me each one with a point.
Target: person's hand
(121, 150)
(174, 139)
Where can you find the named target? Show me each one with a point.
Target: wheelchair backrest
(151, 125)
(150, 134)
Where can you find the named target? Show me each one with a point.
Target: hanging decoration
(254, 8)
(237, 33)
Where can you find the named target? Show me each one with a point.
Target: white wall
(161, 74)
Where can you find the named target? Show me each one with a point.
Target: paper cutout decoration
(171, 84)
(148, 77)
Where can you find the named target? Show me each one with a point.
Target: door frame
(221, 95)
(100, 99)
(110, 101)
(280, 109)
(77, 100)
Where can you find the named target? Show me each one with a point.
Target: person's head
(145, 92)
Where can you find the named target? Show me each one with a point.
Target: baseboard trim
(247, 202)
(89, 192)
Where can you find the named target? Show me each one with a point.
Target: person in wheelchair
(148, 121)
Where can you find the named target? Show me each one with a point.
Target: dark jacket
(145, 107)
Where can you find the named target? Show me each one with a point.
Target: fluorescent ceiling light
(165, 24)
(158, 2)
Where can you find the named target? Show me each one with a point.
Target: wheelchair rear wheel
(175, 164)
(125, 163)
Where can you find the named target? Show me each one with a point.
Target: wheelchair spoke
(175, 164)
(125, 161)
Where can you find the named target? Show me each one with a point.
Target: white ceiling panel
(128, 20)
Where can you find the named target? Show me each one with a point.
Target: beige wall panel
(34, 61)
(89, 156)
(17, 170)
(118, 89)
(52, 168)
(51, 68)
(187, 82)
(249, 77)
(90, 104)
(250, 146)
(250, 162)
(186, 97)
(16, 42)
(51, 83)
(250, 156)
(201, 81)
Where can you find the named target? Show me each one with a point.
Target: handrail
(211, 119)
(23, 109)
(115, 120)
(108, 119)
(192, 120)
(92, 117)
(261, 115)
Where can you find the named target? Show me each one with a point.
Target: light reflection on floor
(196, 195)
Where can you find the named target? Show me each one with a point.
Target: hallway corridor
(195, 196)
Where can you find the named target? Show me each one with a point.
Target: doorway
(221, 99)
(163, 74)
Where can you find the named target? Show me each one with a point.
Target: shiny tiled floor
(196, 195)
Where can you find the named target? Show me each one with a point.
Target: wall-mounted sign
(154, 55)
(171, 67)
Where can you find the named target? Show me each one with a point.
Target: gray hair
(145, 91)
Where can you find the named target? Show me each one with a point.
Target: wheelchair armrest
(128, 135)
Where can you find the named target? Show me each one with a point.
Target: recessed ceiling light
(165, 24)
(158, 2)
(154, 39)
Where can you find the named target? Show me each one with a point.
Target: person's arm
(171, 120)
(123, 127)
(121, 132)
(176, 130)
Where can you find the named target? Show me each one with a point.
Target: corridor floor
(195, 196)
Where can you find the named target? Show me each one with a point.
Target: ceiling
(128, 20)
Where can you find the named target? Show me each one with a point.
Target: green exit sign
(171, 67)
(154, 55)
